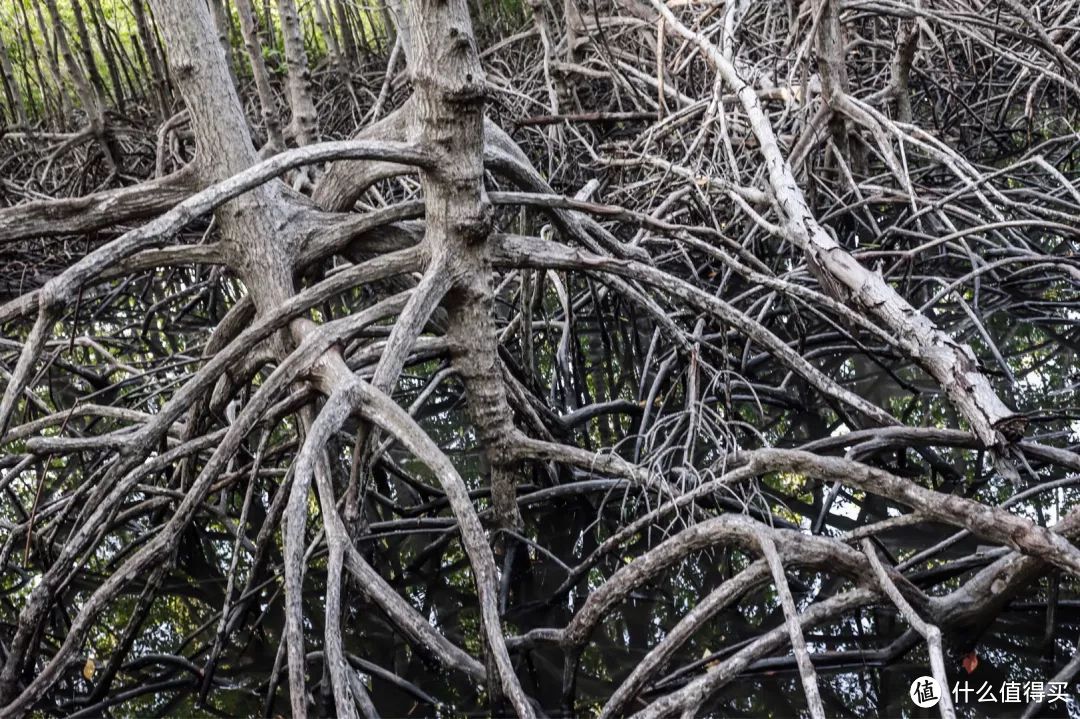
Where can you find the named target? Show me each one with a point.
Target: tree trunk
(348, 39)
(221, 26)
(110, 59)
(11, 89)
(92, 102)
(907, 42)
(88, 51)
(252, 224)
(835, 84)
(54, 69)
(29, 48)
(118, 51)
(403, 23)
(268, 25)
(449, 114)
(267, 102)
(304, 125)
(326, 28)
(153, 60)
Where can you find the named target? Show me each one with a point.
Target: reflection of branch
(791, 620)
(931, 633)
(715, 602)
(1065, 676)
(695, 693)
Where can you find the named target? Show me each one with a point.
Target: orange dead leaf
(970, 661)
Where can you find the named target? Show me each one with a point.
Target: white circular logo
(925, 692)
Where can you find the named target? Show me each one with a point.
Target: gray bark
(304, 125)
(11, 88)
(92, 102)
(267, 101)
(149, 44)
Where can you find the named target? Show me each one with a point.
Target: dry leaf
(970, 661)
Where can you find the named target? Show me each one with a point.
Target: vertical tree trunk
(92, 103)
(258, 68)
(120, 51)
(907, 42)
(153, 60)
(54, 68)
(834, 82)
(110, 59)
(324, 17)
(87, 50)
(11, 89)
(348, 40)
(29, 48)
(388, 25)
(574, 25)
(449, 97)
(253, 225)
(327, 30)
(268, 25)
(221, 26)
(539, 16)
(304, 125)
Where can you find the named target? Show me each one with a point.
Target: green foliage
(22, 34)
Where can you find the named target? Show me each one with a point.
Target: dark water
(1014, 648)
(430, 569)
